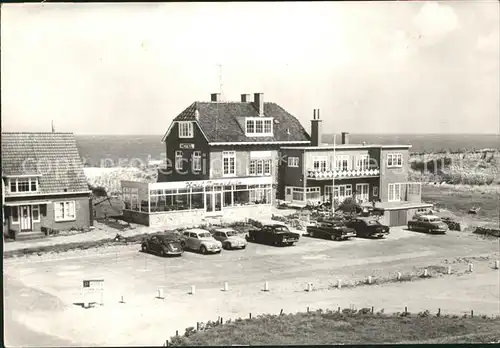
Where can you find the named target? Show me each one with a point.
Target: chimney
(215, 97)
(345, 137)
(245, 98)
(258, 98)
(316, 132)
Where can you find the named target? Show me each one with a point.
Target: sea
(136, 150)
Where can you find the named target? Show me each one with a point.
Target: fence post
(471, 313)
(439, 312)
(369, 279)
(197, 326)
(471, 267)
(399, 276)
(266, 286)
(193, 290)
(338, 309)
(339, 283)
(177, 333)
(307, 309)
(497, 264)
(425, 272)
(309, 287)
(226, 286)
(372, 309)
(406, 310)
(281, 312)
(449, 270)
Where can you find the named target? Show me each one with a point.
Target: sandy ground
(41, 291)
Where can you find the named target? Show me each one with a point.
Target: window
(293, 161)
(178, 160)
(260, 167)
(413, 189)
(228, 163)
(64, 211)
(268, 126)
(313, 194)
(23, 185)
(185, 129)
(342, 162)
(15, 215)
(375, 191)
(394, 192)
(319, 163)
(36, 213)
(196, 161)
(259, 126)
(394, 160)
(297, 194)
(363, 162)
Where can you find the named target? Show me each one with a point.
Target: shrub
(255, 223)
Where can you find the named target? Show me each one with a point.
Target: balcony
(343, 174)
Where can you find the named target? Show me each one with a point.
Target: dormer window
(21, 185)
(259, 126)
(185, 129)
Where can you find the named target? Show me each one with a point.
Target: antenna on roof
(53, 129)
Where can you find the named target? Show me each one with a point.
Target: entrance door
(25, 217)
(213, 202)
(362, 192)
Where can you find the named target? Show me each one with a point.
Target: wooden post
(309, 287)
(471, 267)
(221, 321)
(439, 312)
(266, 286)
(339, 283)
(122, 300)
(497, 264)
(177, 333)
(160, 293)
(281, 312)
(338, 309)
(226, 286)
(406, 310)
(471, 313)
(250, 316)
(449, 269)
(399, 275)
(425, 272)
(369, 279)
(197, 326)
(372, 309)
(307, 309)
(193, 290)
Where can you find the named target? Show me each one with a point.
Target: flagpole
(333, 176)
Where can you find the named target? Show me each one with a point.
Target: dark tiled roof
(53, 155)
(219, 121)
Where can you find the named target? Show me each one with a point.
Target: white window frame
(37, 208)
(322, 162)
(185, 129)
(230, 156)
(293, 161)
(196, 161)
(340, 160)
(363, 162)
(30, 181)
(394, 192)
(394, 160)
(178, 159)
(68, 212)
(263, 122)
(260, 167)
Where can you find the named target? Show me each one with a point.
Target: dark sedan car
(331, 229)
(428, 223)
(162, 245)
(368, 227)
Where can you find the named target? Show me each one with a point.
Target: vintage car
(274, 234)
(229, 238)
(200, 240)
(331, 229)
(162, 245)
(368, 227)
(428, 223)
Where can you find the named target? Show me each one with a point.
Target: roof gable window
(258, 126)
(23, 185)
(185, 129)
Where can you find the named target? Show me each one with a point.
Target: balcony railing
(351, 173)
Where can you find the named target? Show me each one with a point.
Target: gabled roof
(54, 156)
(219, 122)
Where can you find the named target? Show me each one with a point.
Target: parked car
(162, 245)
(230, 238)
(200, 240)
(331, 229)
(274, 234)
(368, 227)
(428, 223)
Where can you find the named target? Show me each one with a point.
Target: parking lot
(136, 276)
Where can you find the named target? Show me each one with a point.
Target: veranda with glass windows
(210, 196)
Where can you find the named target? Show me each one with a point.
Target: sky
(370, 67)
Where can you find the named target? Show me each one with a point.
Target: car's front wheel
(144, 248)
(226, 246)
(311, 234)
(203, 249)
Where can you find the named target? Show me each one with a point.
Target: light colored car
(200, 240)
(230, 238)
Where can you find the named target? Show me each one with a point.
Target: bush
(255, 223)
